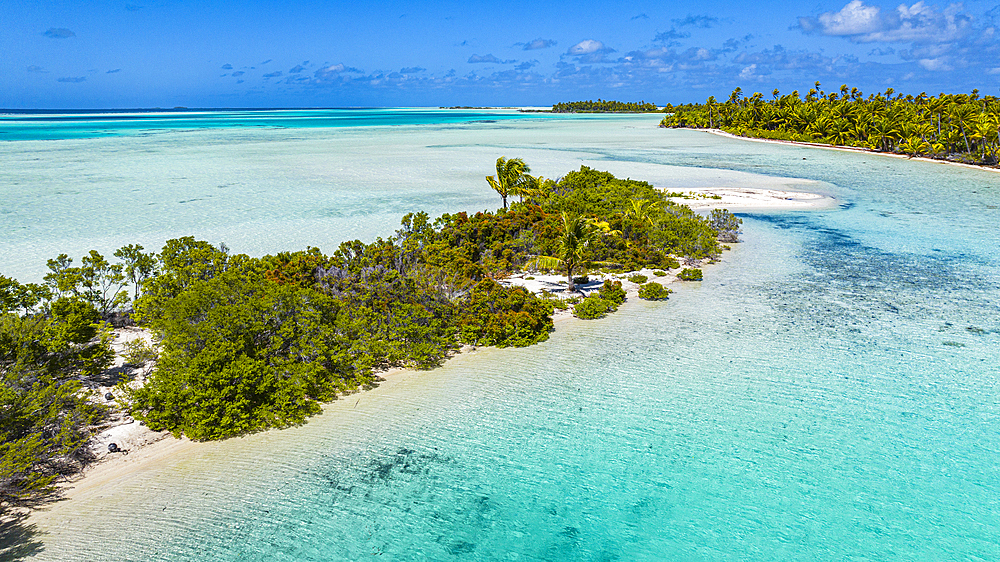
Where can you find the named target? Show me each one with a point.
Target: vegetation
(653, 291)
(692, 274)
(604, 106)
(659, 273)
(638, 278)
(592, 307)
(726, 224)
(960, 127)
(243, 344)
(45, 417)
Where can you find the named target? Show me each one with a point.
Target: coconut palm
(578, 234)
(510, 177)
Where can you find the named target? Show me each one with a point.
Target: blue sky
(166, 53)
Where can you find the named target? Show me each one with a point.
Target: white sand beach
(722, 133)
(738, 199)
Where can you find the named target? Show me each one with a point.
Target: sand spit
(748, 200)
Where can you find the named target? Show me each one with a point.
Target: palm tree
(578, 233)
(510, 177)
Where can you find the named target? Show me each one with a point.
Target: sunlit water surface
(828, 392)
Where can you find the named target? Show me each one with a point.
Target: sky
(263, 53)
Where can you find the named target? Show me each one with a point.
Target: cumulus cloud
(35, 68)
(640, 17)
(586, 47)
(862, 23)
(114, 71)
(536, 44)
(296, 69)
(59, 33)
(274, 74)
(265, 62)
(411, 70)
(72, 79)
(227, 66)
(238, 73)
(589, 51)
(333, 72)
(525, 65)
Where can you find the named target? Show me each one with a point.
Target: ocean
(828, 392)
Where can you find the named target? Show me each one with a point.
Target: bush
(670, 263)
(502, 316)
(653, 291)
(638, 278)
(138, 352)
(592, 307)
(693, 274)
(659, 273)
(612, 292)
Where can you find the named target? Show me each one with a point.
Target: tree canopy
(961, 127)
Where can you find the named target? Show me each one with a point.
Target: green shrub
(573, 300)
(138, 352)
(653, 291)
(638, 278)
(669, 263)
(693, 274)
(581, 280)
(529, 278)
(505, 316)
(592, 307)
(612, 292)
(560, 304)
(659, 273)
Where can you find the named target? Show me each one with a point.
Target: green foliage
(44, 418)
(653, 291)
(660, 272)
(690, 274)
(240, 353)
(670, 263)
(138, 266)
(638, 278)
(604, 106)
(612, 292)
(14, 295)
(138, 352)
(501, 316)
(592, 307)
(960, 127)
(726, 224)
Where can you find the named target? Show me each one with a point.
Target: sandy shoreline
(149, 450)
(722, 133)
(749, 200)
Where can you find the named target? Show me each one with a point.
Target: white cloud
(748, 72)
(853, 19)
(938, 64)
(917, 23)
(586, 47)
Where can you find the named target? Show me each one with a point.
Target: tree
(510, 178)
(139, 266)
(578, 234)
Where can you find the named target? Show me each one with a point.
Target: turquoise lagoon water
(828, 392)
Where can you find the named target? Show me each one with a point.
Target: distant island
(962, 128)
(605, 106)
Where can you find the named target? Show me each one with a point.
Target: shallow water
(828, 392)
